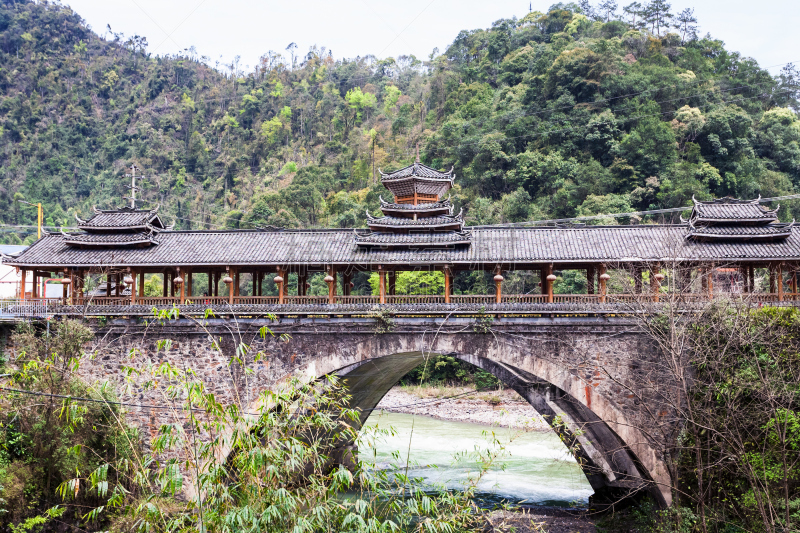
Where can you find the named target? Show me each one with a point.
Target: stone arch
(614, 454)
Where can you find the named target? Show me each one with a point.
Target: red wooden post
(381, 285)
(22, 284)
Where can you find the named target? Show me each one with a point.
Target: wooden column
(165, 288)
(302, 279)
(498, 285)
(236, 281)
(794, 282)
(133, 286)
(280, 282)
(181, 288)
(655, 286)
(230, 285)
(118, 284)
(603, 286)
(330, 279)
(779, 280)
(590, 280)
(141, 284)
(448, 283)
(108, 285)
(64, 289)
(382, 285)
(23, 276)
(549, 280)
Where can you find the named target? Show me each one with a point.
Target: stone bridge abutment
(579, 372)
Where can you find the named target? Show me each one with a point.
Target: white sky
(768, 30)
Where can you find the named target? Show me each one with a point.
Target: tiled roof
(440, 207)
(430, 222)
(125, 218)
(418, 170)
(736, 232)
(408, 186)
(728, 209)
(408, 240)
(109, 239)
(489, 245)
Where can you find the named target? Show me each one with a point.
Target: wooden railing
(304, 300)
(254, 300)
(472, 299)
(576, 298)
(355, 299)
(416, 300)
(523, 298)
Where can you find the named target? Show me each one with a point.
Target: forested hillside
(577, 111)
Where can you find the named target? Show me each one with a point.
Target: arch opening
(612, 469)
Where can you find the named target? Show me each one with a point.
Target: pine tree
(657, 13)
(687, 25)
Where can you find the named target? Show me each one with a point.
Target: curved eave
(113, 229)
(710, 237)
(419, 244)
(458, 226)
(760, 220)
(428, 212)
(388, 181)
(130, 244)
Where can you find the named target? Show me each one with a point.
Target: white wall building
(10, 278)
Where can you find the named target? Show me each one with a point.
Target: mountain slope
(553, 115)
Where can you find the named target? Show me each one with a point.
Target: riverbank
(546, 520)
(504, 408)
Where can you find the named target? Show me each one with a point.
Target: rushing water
(535, 469)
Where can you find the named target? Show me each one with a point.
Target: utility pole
(132, 187)
(39, 217)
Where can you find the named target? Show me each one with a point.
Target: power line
(622, 215)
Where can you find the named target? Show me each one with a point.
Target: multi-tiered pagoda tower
(420, 216)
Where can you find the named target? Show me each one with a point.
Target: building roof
(418, 178)
(417, 170)
(748, 233)
(138, 238)
(434, 208)
(732, 210)
(434, 222)
(413, 240)
(490, 245)
(124, 219)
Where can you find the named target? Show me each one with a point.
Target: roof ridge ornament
(79, 219)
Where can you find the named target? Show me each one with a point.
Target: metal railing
(26, 308)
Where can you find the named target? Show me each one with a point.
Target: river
(535, 468)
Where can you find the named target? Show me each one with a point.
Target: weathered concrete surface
(572, 370)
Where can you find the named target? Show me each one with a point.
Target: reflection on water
(537, 467)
